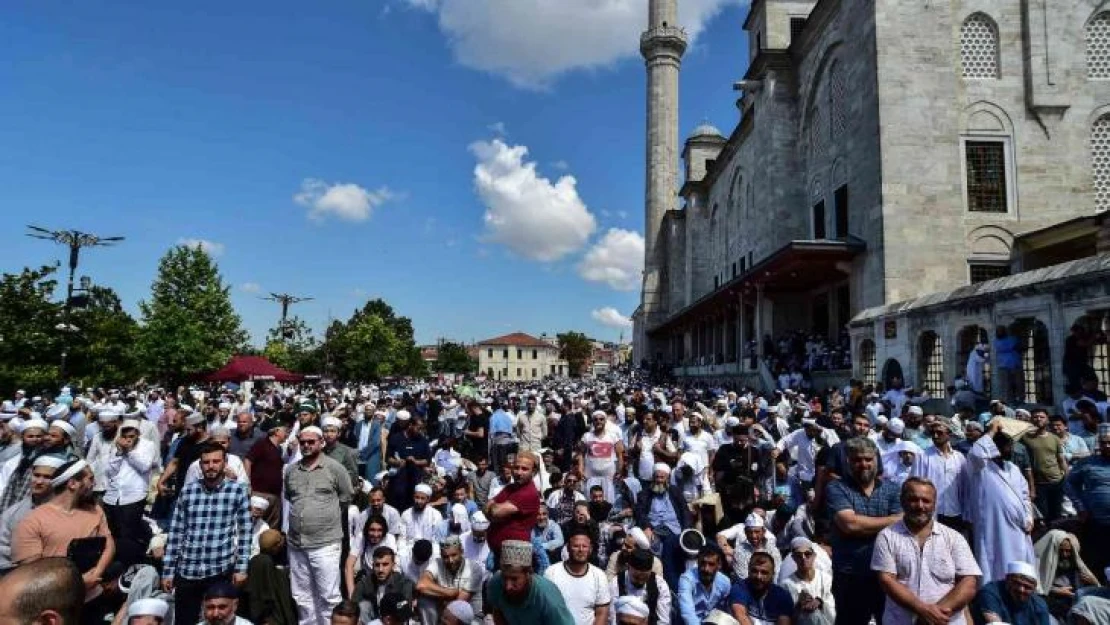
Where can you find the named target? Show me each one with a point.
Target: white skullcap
(1024, 569)
(915, 410)
(331, 422)
(732, 422)
(461, 610)
(598, 413)
(148, 607)
(132, 424)
(108, 415)
(808, 421)
(632, 606)
(57, 411)
(754, 521)
(479, 522)
(67, 475)
(49, 460)
(224, 406)
(312, 429)
(65, 427)
(640, 538)
(31, 424)
(403, 415)
(661, 466)
(220, 431)
(458, 513)
(882, 420)
(800, 542)
(261, 503)
(720, 617)
(194, 418)
(424, 489)
(1023, 414)
(896, 426)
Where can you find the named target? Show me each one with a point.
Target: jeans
(858, 598)
(1050, 500)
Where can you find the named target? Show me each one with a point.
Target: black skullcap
(221, 590)
(641, 559)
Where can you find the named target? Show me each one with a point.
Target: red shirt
(518, 526)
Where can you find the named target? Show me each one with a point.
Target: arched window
(1098, 354)
(1100, 161)
(867, 361)
(967, 339)
(837, 92)
(979, 47)
(930, 363)
(1098, 46)
(1036, 361)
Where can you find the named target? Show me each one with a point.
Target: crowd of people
(557, 502)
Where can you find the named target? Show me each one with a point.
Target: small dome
(705, 129)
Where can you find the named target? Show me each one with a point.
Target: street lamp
(285, 300)
(74, 240)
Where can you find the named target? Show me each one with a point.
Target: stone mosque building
(904, 175)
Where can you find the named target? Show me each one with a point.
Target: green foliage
(453, 358)
(189, 325)
(372, 344)
(293, 347)
(30, 346)
(103, 351)
(575, 348)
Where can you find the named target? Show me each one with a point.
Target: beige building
(520, 357)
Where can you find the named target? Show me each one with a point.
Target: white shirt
(662, 609)
(234, 464)
(804, 451)
(582, 594)
(700, 445)
(944, 472)
(420, 525)
(389, 513)
(127, 477)
(646, 464)
(820, 587)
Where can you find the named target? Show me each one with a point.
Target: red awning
(252, 368)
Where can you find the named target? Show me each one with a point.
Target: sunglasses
(804, 554)
(308, 441)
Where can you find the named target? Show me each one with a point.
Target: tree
(372, 344)
(453, 358)
(575, 348)
(293, 347)
(102, 352)
(30, 344)
(189, 325)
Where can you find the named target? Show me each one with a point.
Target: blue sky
(412, 150)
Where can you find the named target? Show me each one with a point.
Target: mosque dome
(705, 129)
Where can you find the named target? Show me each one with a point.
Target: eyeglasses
(804, 554)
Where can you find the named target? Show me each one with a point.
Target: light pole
(285, 300)
(74, 240)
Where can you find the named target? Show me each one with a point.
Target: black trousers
(129, 531)
(189, 596)
(858, 598)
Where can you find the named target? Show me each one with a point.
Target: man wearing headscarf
(15, 475)
(1060, 571)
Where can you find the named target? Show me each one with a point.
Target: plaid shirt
(210, 532)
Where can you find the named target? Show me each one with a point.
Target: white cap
(640, 538)
(224, 406)
(148, 607)
(632, 606)
(1017, 567)
(424, 489)
(331, 422)
(57, 411)
(915, 410)
(479, 522)
(896, 426)
(403, 415)
(661, 466)
(261, 503)
(754, 521)
(808, 421)
(194, 418)
(49, 460)
(65, 427)
(34, 423)
(108, 415)
(458, 513)
(312, 429)
(461, 610)
(800, 542)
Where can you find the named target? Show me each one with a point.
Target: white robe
(1000, 513)
(976, 361)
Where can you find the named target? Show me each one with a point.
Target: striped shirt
(929, 573)
(210, 532)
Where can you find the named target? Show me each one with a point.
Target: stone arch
(985, 117)
(838, 173)
(892, 369)
(1100, 158)
(1036, 361)
(990, 242)
(1096, 33)
(814, 124)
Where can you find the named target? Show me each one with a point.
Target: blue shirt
(774, 603)
(662, 513)
(1088, 485)
(500, 423)
(994, 598)
(1006, 354)
(852, 555)
(695, 601)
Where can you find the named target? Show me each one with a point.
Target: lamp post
(285, 300)
(75, 240)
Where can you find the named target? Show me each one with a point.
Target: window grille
(986, 176)
(930, 363)
(979, 47)
(1036, 361)
(867, 361)
(1100, 161)
(981, 272)
(1099, 355)
(1098, 46)
(967, 339)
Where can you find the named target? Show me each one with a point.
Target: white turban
(49, 460)
(31, 424)
(67, 475)
(1024, 569)
(479, 522)
(424, 489)
(148, 607)
(632, 606)
(312, 429)
(896, 426)
(331, 422)
(640, 538)
(754, 521)
(661, 466)
(260, 502)
(65, 427)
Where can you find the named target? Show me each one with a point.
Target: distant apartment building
(520, 357)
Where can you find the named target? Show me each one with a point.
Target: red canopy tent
(252, 368)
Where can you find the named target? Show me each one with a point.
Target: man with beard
(640, 580)
(662, 511)
(187, 452)
(196, 556)
(9, 445)
(1000, 510)
(1046, 453)
(384, 579)
(925, 568)
(127, 471)
(862, 505)
(561, 502)
(15, 475)
(336, 450)
(1013, 599)
(480, 481)
(264, 464)
(475, 549)
(221, 602)
(703, 589)
(942, 466)
(420, 521)
(742, 467)
(531, 426)
(755, 541)
(517, 595)
(449, 577)
(317, 490)
(581, 523)
(59, 438)
(512, 513)
(836, 463)
(756, 599)
(43, 469)
(409, 454)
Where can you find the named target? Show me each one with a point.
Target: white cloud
(498, 128)
(251, 287)
(527, 213)
(344, 200)
(608, 316)
(617, 260)
(210, 247)
(532, 42)
(561, 165)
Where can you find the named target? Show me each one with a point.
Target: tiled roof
(518, 339)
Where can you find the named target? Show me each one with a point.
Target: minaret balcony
(662, 38)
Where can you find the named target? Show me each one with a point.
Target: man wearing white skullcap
(59, 438)
(458, 612)
(633, 540)
(337, 451)
(43, 469)
(149, 611)
(756, 538)
(1012, 600)
(15, 474)
(259, 506)
(127, 471)
(630, 610)
(448, 577)
(421, 521)
(9, 443)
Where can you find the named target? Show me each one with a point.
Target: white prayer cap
(754, 521)
(57, 411)
(661, 466)
(74, 468)
(458, 513)
(403, 415)
(331, 422)
(424, 489)
(312, 429)
(479, 522)
(260, 502)
(1024, 569)
(598, 413)
(224, 406)
(31, 424)
(219, 431)
(808, 421)
(896, 426)
(722, 402)
(720, 617)
(800, 542)
(915, 410)
(49, 460)
(132, 424)
(882, 420)
(732, 422)
(640, 538)
(65, 427)
(1023, 414)
(108, 415)
(461, 610)
(194, 418)
(632, 606)
(148, 607)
